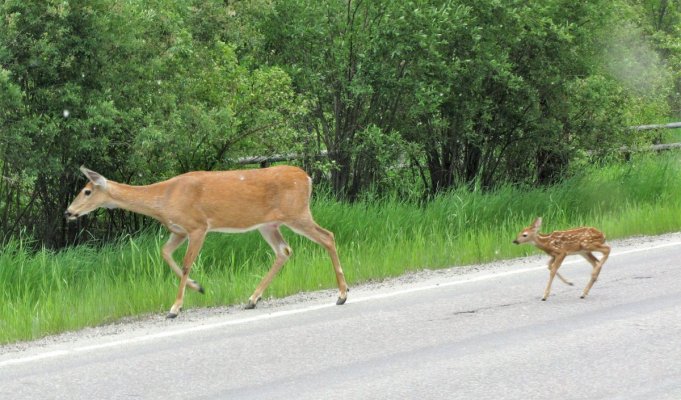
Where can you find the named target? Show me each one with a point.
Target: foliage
(126, 89)
(407, 98)
(660, 20)
(485, 93)
(48, 292)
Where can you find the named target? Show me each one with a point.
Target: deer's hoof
(582, 296)
(196, 286)
(543, 299)
(341, 301)
(171, 315)
(571, 284)
(250, 305)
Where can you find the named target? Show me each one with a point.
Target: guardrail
(654, 147)
(265, 161)
(673, 125)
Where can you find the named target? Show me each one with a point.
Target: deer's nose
(516, 241)
(68, 214)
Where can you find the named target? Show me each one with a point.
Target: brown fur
(560, 244)
(192, 204)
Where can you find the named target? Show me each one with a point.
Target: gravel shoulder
(153, 323)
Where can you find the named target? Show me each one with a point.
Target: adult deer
(192, 204)
(560, 244)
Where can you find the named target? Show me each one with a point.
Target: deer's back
(242, 198)
(577, 240)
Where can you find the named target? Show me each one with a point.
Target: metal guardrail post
(673, 125)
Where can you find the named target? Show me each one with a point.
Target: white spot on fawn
(241, 178)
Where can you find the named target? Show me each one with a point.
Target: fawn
(560, 244)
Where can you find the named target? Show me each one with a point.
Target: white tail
(560, 244)
(192, 204)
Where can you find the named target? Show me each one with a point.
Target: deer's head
(528, 234)
(91, 197)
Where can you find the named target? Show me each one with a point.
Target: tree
(338, 59)
(480, 93)
(125, 89)
(659, 24)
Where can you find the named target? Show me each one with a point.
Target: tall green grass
(48, 292)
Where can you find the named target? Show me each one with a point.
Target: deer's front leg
(553, 270)
(553, 258)
(173, 243)
(196, 239)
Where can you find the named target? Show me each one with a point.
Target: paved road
(482, 334)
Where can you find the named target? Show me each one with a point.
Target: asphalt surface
(469, 333)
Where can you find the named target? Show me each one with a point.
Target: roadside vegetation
(49, 291)
(402, 96)
(433, 131)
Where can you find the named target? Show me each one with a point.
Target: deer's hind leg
(597, 265)
(317, 234)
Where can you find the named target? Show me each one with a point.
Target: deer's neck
(139, 199)
(543, 242)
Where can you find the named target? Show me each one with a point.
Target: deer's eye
(87, 192)
(524, 234)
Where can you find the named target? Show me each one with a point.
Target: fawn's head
(91, 197)
(528, 234)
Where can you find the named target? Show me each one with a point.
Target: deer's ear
(537, 223)
(94, 177)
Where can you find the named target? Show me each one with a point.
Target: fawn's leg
(558, 273)
(597, 265)
(552, 274)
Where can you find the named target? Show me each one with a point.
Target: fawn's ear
(537, 223)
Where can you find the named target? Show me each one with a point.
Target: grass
(47, 292)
